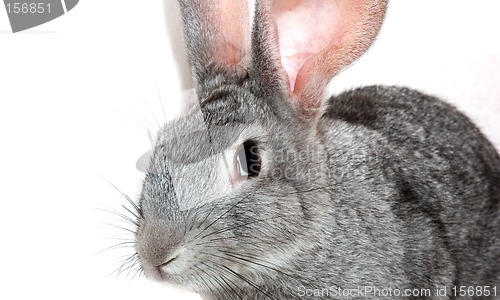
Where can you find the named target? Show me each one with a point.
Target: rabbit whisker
(211, 282)
(120, 227)
(221, 216)
(250, 282)
(137, 210)
(223, 285)
(161, 103)
(241, 225)
(144, 123)
(253, 260)
(118, 246)
(222, 274)
(123, 266)
(134, 266)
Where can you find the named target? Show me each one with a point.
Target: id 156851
(28, 8)
(474, 291)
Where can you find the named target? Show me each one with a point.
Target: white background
(78, 95)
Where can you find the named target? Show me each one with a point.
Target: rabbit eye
(248, 161)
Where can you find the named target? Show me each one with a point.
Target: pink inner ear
(231, 30)
(318, 38)
(305, 28)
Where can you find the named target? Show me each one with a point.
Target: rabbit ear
(314, 40)
(295, 46)
(217, 35)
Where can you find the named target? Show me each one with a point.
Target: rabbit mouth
(171, 266)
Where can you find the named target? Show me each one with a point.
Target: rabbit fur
(381, 187)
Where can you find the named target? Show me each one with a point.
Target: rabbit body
(378, 192)
(423, 209)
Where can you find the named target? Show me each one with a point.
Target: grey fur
(389, 188)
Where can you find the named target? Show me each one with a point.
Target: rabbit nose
(158, 247)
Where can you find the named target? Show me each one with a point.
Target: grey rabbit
(267, 191)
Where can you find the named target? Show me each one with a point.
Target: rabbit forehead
(211, 127)
(190, 145)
